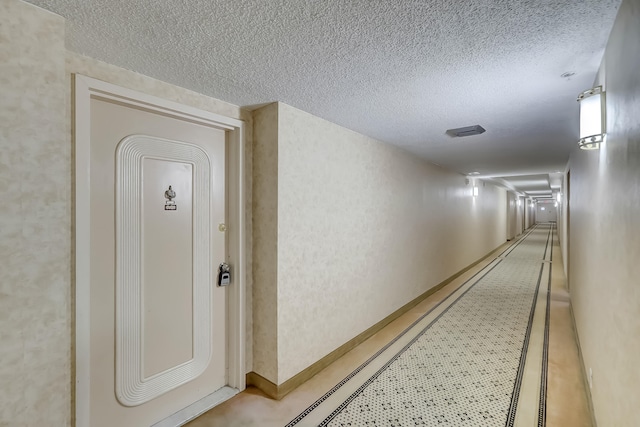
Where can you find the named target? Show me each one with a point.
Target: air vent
(466, 131)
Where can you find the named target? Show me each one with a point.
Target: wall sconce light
(559, 197)
(592, 118)
(519, 202)
(475, 191)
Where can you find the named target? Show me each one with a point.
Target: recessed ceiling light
(466, 131)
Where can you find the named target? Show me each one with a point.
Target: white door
(158, 327)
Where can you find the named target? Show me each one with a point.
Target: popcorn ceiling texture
(399, 71)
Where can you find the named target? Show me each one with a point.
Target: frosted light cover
(591, 116)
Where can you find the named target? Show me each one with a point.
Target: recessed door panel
(167, 265)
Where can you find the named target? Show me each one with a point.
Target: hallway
(379, 158)
(432, 365)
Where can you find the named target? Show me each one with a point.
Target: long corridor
(494, 347)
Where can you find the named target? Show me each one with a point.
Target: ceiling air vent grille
(466, 131)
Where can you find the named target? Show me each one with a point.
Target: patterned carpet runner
(476, 359)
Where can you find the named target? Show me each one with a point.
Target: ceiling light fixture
(466, 131)
(592, 118)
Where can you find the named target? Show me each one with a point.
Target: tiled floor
(566, 396)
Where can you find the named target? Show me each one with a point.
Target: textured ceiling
(400, 71)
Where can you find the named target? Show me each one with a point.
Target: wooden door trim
(85, 89)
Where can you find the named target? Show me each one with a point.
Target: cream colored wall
(529, 213)
(512, 216)
(548, 214)
(36, 291)
(563, 232)
(35, 235)
(519, 215)
(604, 234)
(515, 215)
(265, 242)
(533, 215)
(362, 229)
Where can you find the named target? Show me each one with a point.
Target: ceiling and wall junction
(400, 72)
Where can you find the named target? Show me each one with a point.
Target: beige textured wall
(519, 215)
(550, 213)
(604, 234)
(515, 215)
(265, 241)
(529, 213)
(563, 226)
(512, 216)
(533, 214)
(35, 235)
(362, 229)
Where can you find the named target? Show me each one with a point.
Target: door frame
(86, 88)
